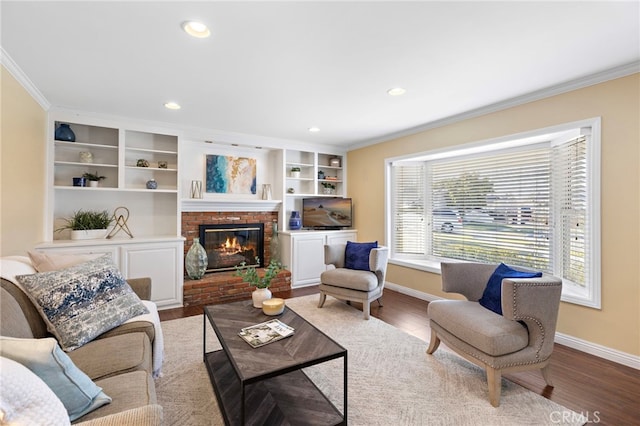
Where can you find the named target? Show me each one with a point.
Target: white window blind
(408, 194)
(501, 201)
(571, 200)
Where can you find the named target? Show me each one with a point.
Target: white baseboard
(595, 349)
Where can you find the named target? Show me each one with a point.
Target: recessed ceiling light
(396, 91)
(172, 105)
(314, 129)
(196, 29)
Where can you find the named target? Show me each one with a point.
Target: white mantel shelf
(203, 205)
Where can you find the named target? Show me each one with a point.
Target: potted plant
(250, 275)
(87, 224)
(295, 172)
(329, 188)
(93, 178)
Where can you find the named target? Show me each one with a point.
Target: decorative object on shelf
(320, 174)
(274, 306)
(196, 260)
(87, 224)
(230, 175)
(196, 189)
(266, 191)
(250, 275)
(163, 165)
(86, 157)
(152, 184)
(295, 172)
(334, 162)
(328, 188)
(64, 133)
(295, 222)
(120, 222)
(93, 178)
(79, 181)
(274, 244)
(142, 163)
(291, 191)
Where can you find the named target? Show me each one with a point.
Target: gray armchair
(353, 285)
(519, 339)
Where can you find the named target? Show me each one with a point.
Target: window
(530, 200)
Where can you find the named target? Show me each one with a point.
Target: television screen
(326, 213)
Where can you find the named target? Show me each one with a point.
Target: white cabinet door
(162, 263)
(342, 237)
(308, 258)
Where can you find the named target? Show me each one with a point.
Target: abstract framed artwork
(230, 175)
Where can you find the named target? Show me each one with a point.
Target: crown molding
(22, 78)
(579, 83)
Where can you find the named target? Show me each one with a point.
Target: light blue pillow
(45, 359)
(83, 301)
(356, 255)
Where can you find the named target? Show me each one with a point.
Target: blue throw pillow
(356, 255)
(492, 296)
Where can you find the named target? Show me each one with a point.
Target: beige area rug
(391, 379)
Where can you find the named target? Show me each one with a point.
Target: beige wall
(22, 174)
(617, 324)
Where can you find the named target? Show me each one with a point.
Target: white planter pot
(90, 234)
(295, 174)
(93, 183)
(259, 295)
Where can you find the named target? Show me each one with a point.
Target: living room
(610, 331)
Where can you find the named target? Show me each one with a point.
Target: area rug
(391, 379)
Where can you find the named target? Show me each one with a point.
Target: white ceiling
(277, 68)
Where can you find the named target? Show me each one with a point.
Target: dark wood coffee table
(265, 385)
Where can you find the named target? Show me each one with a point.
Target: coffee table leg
(345, 389)
(242, 404)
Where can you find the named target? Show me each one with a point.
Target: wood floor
(605, 392)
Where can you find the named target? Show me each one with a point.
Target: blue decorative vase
(295, 222)
(64, 133)
(152, 184)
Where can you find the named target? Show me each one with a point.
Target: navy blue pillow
(491, 298)
(356, 255)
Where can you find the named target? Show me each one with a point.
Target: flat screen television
(327, 213)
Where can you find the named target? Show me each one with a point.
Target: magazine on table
(265, 332)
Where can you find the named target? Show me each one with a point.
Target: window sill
(432, 266)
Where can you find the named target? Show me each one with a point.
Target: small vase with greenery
(250, 275)
(93, 178)
(295, 172)
(84, 221)
(329, 188)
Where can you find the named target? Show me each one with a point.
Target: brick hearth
(223, 287)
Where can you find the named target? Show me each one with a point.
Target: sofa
(119, 361)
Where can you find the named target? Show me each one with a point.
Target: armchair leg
(494, 380)
(546, 374)
(323, 297)
(434, 342)
(379, 301)
(366, 309)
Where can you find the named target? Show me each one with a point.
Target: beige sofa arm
(141, 286)
(149, 415)
(468, 279)
(536, 302)
(334, 254)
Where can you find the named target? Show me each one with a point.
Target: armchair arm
(536, 302)
(468, 279)
(378, 258)
(334, 254)
(141, 287)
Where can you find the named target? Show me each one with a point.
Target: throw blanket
(10, 266)
(158, 341)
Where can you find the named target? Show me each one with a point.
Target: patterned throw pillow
(356, 255)
(82, 302)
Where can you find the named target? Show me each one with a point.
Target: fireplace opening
(227, 246)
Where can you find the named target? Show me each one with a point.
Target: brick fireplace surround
(223, 287)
